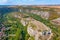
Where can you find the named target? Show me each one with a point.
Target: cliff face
(38, 30)
(56, 21)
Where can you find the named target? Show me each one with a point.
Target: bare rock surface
(56, 21)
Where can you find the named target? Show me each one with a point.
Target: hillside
(30, 23)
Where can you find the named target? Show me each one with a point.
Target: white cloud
(3, 1)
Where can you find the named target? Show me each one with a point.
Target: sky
(29, 2)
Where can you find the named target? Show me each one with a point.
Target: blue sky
(29, 2)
